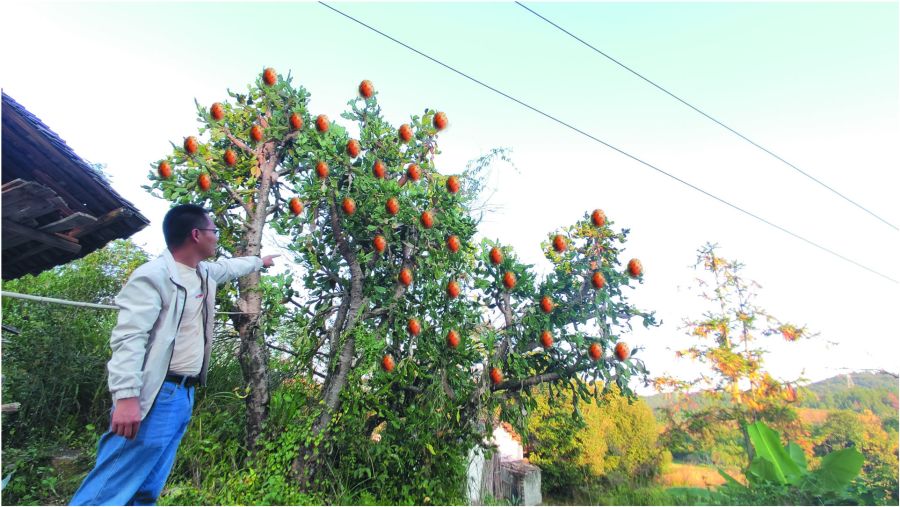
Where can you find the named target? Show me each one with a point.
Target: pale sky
(817, 83)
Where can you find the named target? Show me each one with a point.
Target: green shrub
(778, 475)
(56, 365)
(612, 443)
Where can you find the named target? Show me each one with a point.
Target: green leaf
(765, 471)
(839, 468)
(797, 455)
(768, 446)
(729, 479)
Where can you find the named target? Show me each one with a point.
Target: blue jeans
(134, 471)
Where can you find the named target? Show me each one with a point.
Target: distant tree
(738, 388)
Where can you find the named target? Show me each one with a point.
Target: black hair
(180, 221)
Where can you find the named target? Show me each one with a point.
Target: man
(160, 350)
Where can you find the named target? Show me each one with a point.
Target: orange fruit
(546, 304)
(413, 172)
(598, 217)
(405, 133)
(366, 89)
(256, 133)
(546, 339)
(496, 255)
(322, 123)
(164, 170)
(559, 243)
(392, 206)
(440, 120)
(296, 121)
(349, 205)
(230, 158)
(452, 289)
(322, 169)
(635, 269)
(378, 170)
(353, 148)
(595, 351)
(269, 76)
(379, 243)
(496, 376)
(387, 362)
(412, 325)
(190, 145)
(427, 219)
(453, 244)
(453, 339)
(216, 111)
(622, 351)
(204, 182)
(296, 206)
(405, 277)
(453, 184)
(597, 280)
(509, 280)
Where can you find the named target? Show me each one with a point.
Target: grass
(697, 476)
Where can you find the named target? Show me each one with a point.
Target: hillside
(856, 391)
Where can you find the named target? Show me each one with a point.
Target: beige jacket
(151, 305)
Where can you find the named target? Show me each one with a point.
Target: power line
(56, 301)
(735, 132)
(604, 143)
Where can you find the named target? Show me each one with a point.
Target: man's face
(207, 239)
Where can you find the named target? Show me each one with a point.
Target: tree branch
(519, 384)
(286, 351)
(237, 142)
(237, 199)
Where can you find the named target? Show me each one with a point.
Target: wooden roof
(56, 207)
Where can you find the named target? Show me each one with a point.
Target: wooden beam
(70, 222)
(103, 221)
(13, 184)
(53, 240)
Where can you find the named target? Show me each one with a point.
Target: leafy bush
(611, 443)
(846, 429)
(778, 475)
(55, 366)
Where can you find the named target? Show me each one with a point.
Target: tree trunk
(253, 354)
(253, 357)
(309, 458)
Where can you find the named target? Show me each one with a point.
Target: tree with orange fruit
(253, 143)
(406, 315)
(569, 325)
(741, 390)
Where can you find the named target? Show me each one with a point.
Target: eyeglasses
(215, 231)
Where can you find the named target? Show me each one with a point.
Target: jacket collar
(172, 268)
